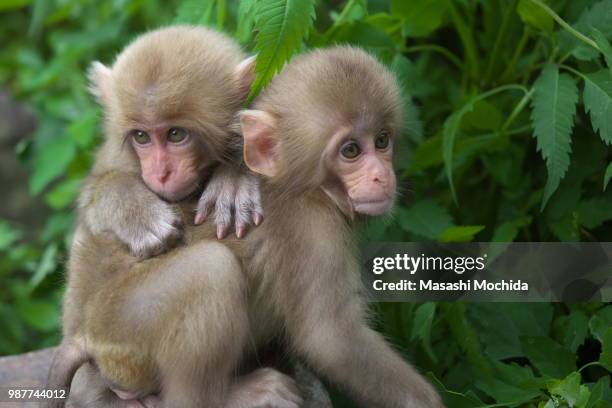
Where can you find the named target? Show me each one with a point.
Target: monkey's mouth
(373, 207)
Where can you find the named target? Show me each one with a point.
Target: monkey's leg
(332, 335)
(202, 292)
(89, 390)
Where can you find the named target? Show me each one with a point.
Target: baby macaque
(323, 134)
(168, 101)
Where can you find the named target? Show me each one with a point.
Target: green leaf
(423, 319)
(554, 106)
(51, 160)
(246, 19)
(548, 356)
(576, 329)
(47, 264)
(570, 390)
(40, 9)
(598, 102)
(421, 17)
(485, 116)
(281, 26)
(598, 17)
(505, 393)
(600, 322)
(462, 233)
(84, 130)
(8, 235)
(508, 231)
(604, 46)
(594, 212)
(63, 194)
(7, 5)
(534, 15)
(195, 12)
(501, 325)
(425, 218)
(605, 358)
(597, 392)
(607, 176)
(42, 315)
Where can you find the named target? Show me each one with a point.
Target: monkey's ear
(245, 75)
(260, 141)
(100, 81)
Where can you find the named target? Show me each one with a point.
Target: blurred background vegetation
(509, 107)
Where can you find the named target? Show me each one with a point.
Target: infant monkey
(169, 100)
(168, 105)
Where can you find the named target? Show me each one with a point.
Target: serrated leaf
(281, 26)
(598, 17)
(598, 102)
(604, 46)
(425, 218)
(461, 233)
(554, 106)
(607, 176)
(534, 15)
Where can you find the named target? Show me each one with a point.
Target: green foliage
(508, 107)
(554, 106)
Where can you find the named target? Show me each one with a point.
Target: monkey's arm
(329, 329)
(119, 202)
(231, 192)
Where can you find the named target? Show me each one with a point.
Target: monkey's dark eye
(350, 150)
(382, 140)
(177, 135)
(140, 137)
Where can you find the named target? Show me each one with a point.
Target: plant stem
(573, 71)
(566, 26)
(435, 48)
(498, 40)
(467, 39)
(516, 111)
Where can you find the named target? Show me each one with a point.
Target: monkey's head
(329, 120)
(169, 99)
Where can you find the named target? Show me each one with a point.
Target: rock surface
(30, 370)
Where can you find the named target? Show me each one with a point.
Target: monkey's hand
(265, 388)
(121, 204)
(232, 194)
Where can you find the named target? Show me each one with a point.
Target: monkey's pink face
(169, 160)
(364, 165)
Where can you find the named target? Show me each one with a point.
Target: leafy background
(509, 106)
